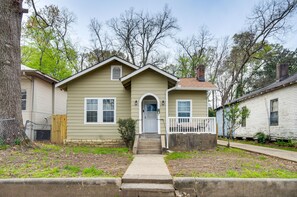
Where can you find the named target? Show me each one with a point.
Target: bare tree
(102, 46)
(268, 19)
(194, 51)
(11, 123)
(141, 34)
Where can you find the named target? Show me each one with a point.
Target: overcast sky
(221, 17)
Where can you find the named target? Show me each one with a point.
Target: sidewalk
(283, 154)
(147, 167)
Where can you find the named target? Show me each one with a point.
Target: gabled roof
(274, 86)
(37, 73)
(158, 70)
(194, 84)
(95, 67)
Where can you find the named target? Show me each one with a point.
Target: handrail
(192, 125)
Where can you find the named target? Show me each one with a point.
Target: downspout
(32, 108)
(167, 119)
(53, 98)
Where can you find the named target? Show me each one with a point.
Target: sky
(221, 17)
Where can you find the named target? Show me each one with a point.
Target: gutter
(167, 120)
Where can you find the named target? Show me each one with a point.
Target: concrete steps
(150, 185)
(147, 176)
(147, 190)
(149, 144)
(148, 179)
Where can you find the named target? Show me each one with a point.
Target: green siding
(199, 102)
(152, 82)
(96, 84)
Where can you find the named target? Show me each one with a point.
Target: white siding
(60, 101)
(259, 107)
(43, 100)
(39, 103)
(26, 84)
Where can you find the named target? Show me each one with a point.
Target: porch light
(136, 102)
(163, 102)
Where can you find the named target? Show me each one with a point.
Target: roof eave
(95, 67)
(41, 75)
(145, 68)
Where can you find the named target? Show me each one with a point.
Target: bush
(289, 143)
(261, 137)
(127, 131)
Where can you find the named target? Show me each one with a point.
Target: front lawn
(63, 161)
(229, 162)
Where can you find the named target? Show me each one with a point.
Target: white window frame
(270, 111)
(245, 118)
(100, 111)
(111, 72)
(184, 100)
(23, 90)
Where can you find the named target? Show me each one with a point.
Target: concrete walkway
(148, 167)
(283, 154)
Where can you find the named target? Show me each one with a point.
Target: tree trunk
(11, 123)
(223, 119)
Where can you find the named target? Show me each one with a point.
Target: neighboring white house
(40, 100)
(273, 109)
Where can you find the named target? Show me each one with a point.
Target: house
(273, 109)
(161, 103)
(40, 100)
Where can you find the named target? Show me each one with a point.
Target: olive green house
(161, 103)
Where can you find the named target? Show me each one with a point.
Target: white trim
(95, 67)
(189, 88)
(147, 67)
(111, 72)
(100, 101)
(140, 111)
(176, 103)
(167, 119)
(24, 91)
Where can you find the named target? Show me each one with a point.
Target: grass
(96, 150)
(50, 161)
(230, 163)
(178, 155)
(277, 145)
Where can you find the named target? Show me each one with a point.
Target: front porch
(192, 133)
(196, 125)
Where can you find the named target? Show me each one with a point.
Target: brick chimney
(200, 73)
(282, 72)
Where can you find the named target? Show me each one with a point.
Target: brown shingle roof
(193, 83)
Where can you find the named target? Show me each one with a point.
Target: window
(92, 110)
(24, 99)
(183, 110)
(100, 110)
(116, 72)
(108, 110)
(274, 112)
(243, 118)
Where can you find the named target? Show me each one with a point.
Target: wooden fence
(59, 129)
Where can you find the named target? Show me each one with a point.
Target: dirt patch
(224, 162)
(62, 161)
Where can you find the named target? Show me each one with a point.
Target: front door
(150, 116)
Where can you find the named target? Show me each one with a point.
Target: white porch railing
(192, 125)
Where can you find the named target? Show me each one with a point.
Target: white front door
(150, 116)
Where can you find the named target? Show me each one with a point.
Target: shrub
(261, 137)
(289, 143)
(127, 131)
